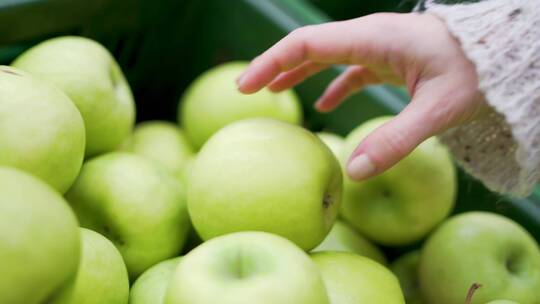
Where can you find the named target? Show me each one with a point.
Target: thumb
(395, 139)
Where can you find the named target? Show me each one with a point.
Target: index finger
(318, 43)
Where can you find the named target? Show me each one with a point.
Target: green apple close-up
(246, 267)
(342, 237)
(405, 268)
(135, 203)
(213, 101)
(163, 142)
(90, 76)
(41, 131)
(102, 275)
(265, 175)
(39, 239)
(133, 170)
(151, 286)
(483, 248)
(333, 141)
(352, 279)
(403, 204)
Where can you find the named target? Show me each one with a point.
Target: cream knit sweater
(502, 38)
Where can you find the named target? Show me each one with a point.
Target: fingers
(349, 82)
(318, 43)
(424, 117)
(289, 79)
(367, 40)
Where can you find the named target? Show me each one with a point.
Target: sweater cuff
(502, 39)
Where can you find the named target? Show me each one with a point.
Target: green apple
(342, 237)
(403, 204)
(41, 131)
(265, 175)
(483, 248)
(102, 276)
(90, 76)
(502, 302)
(213, 101)
(246, 267)
(333, 141)
(351, 279)
(406, 270)
(162, 142)
(136, 204)
(151, 286)
(39, 239)
(187, 171)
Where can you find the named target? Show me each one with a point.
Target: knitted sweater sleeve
(502, 39)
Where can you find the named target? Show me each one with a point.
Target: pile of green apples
(236, 203)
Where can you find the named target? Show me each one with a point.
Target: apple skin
(265, 175)
(403, 204)
(39, 239)
(244, 268)
(406, 270)
(90, 76)
(502, 302)
(343, 238)
(136, 204)
(162, 142)
(41, 131)
(350, 279)
(333, 141)
(483, 248)
(102, 276)
(213, 101)
(151, 286)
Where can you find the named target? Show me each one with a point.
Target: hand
(412, 49)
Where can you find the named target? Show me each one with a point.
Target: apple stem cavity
(10, 72)
(470, 293)
(327, 201)
(239, 268)
(512, 264)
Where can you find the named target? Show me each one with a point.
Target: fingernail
(240, 80)
(360, 167)
(319, 105)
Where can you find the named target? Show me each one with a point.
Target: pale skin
(415, 50)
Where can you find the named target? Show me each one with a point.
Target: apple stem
(471, 292)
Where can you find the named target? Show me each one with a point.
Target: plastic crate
(163, 44)
(347, 9)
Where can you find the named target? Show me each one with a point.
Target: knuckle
(392, 144)
(298, 32)
(302, 32)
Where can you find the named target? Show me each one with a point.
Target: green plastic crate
(163, 44)
(347, 9)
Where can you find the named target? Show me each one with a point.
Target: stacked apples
(265, 203)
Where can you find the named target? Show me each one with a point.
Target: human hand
(412, 49)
